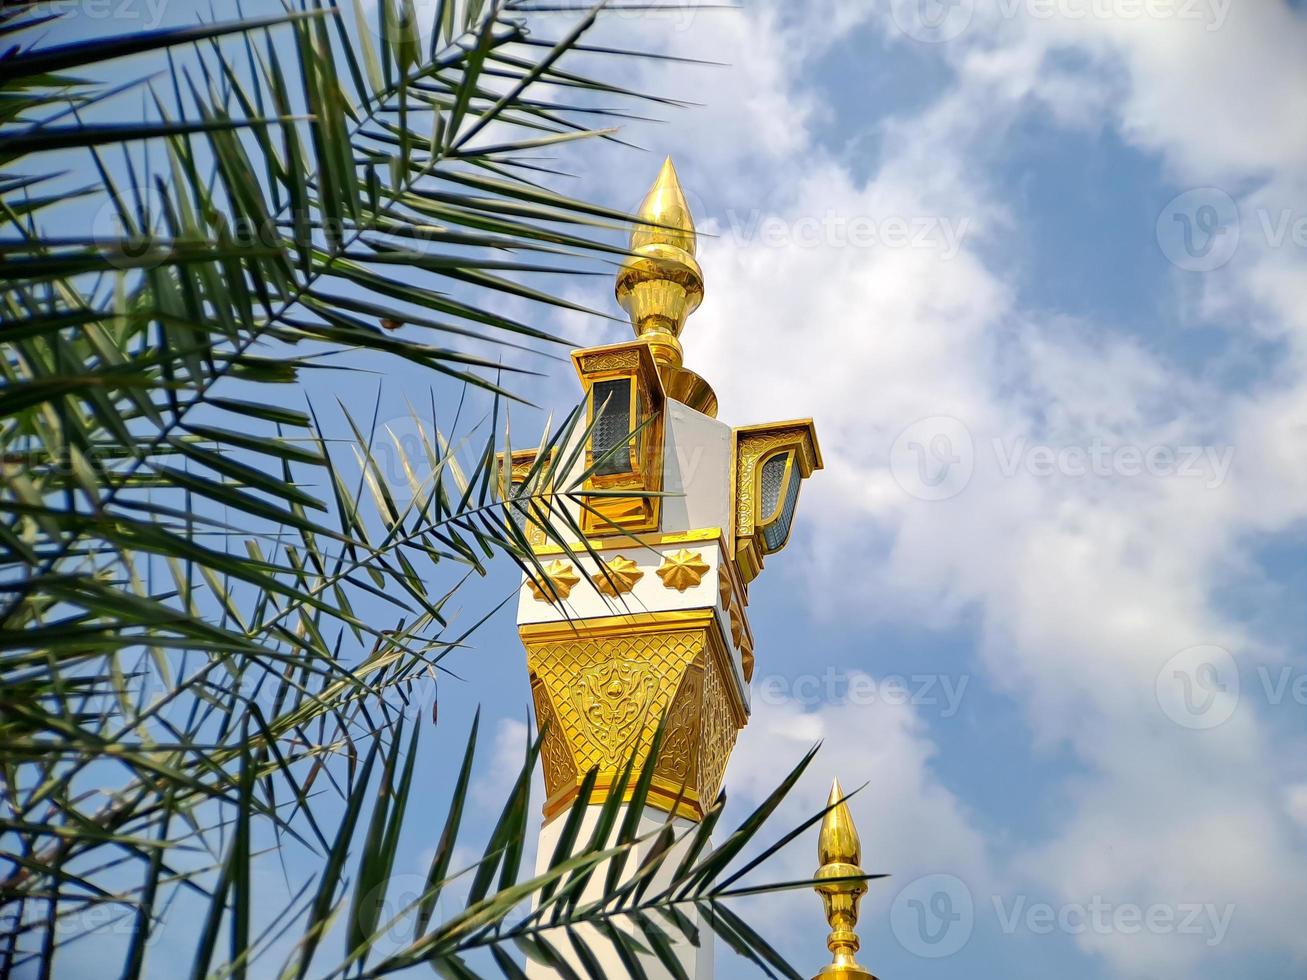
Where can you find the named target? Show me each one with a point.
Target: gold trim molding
(734, 600)
(634, 541)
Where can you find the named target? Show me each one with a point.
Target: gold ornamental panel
(602, 685)
(560, 770)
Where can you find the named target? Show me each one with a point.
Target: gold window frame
(635, 440)
(609, 515)
(753, 445)
(765, 519)
(517, 469)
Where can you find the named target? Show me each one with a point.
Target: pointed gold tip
(838, 842)
(660, 283)
(840, 853)
(667, 213)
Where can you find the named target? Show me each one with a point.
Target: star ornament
(621, 578)
(683, 569)
(562, 576)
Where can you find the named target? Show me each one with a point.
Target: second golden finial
(840, 854)
(660, 283)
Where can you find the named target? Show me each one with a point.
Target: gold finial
(840, 854)
(661, 284)
(664, 207)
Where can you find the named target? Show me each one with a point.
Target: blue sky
(1037, 274)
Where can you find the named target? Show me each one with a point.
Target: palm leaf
(189, 562)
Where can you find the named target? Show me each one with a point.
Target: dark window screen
(520, 510)
(774, 534)
(773, 472)
(612, 403)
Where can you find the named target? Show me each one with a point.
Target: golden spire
(664, 207)
(660, 285)
(840, 854)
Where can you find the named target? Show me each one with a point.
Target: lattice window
(612, 431)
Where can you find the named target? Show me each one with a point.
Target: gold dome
(660, 284)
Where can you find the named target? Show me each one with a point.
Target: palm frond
(184, 679)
